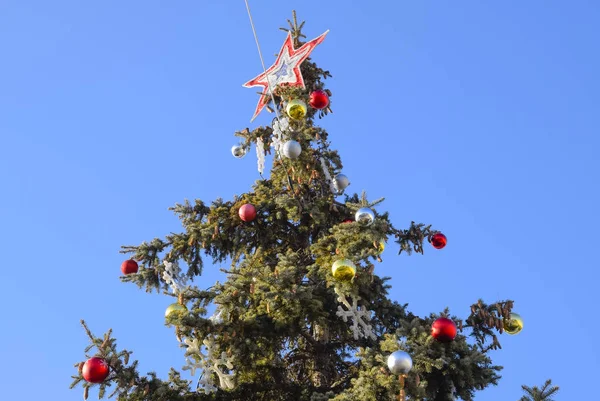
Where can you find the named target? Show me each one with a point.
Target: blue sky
(478, 117)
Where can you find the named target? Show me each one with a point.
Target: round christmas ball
(399, 363)
(247, 212)
(381, 247)
(292, 149)
(296, 109)
(175, 307)
(343, 270)
(364, 216)
(341, 182)
(129, 267)
(443, 329)
(438, 240)
(319, 99)
(514, 324)
(95, 370)
(238, 151)
(348, 221)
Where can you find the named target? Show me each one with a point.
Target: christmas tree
(301, 313)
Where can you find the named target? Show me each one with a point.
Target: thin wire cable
(262, 61)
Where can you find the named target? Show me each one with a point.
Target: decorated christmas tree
(301, 313)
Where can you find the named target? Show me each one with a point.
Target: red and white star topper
(285, 70)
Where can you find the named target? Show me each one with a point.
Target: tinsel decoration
(260, 154)
(359, 316)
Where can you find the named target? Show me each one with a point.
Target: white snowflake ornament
(359, 316)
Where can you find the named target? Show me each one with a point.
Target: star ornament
(285, 70)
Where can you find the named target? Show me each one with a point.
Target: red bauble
(319, 99)
(348, 221)
(129, 267)
(247, 212)
(439, 240)
(443, 329)
(95, 370)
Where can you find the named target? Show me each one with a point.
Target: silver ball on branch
(399, 363)
(341, 182)
(364, 216)
(292, 149)
(238, 151)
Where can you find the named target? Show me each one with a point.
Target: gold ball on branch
(343, 269)
(514, 324)
(296, 109)
(175, 307)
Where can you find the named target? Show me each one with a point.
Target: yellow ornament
(175, 307)
(381, 247)
(514, 324)
(343, 270)
(296, 109)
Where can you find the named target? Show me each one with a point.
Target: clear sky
(478, 117)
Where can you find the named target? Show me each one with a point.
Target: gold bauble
(381, 247)
(514, 324)
(175, 307)
(296, 109)
(343, 270)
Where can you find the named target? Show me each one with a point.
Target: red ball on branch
(95, 370)
(438, 240)
(348, 221)
(319, 99)
(443, 329)
(129, 267)
(247, 212)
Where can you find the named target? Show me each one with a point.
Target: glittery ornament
(438, 240)
(318, 99)
(514, 324)
(129, 267)
(238, 151)
(399, 363)
(95, 370)
(296, 109)
(364, 216)
(292, 149)
(343, 269)
(247, 212)
(443, 330)
(175, 307)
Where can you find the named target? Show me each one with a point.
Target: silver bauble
(341, 182)
(364, 216)
(238, 151)
(400, 363)
(292, 149)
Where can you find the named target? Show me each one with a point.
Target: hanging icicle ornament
(260, 155)
(280, 126)
(328, 176)
(173, 276)
(210, 363)
(359, 316)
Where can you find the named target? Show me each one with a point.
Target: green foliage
(540, 394)
(278, 305)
